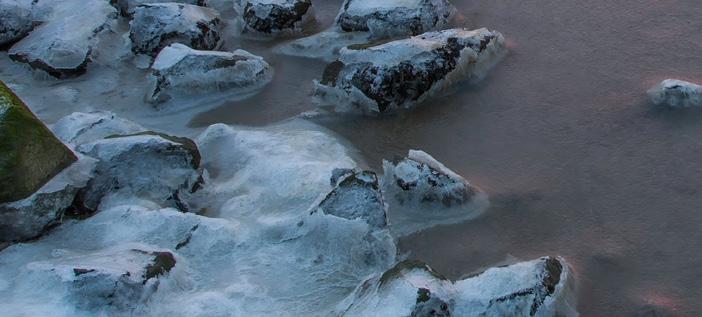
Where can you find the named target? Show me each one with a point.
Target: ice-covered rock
(422, 193)
(384, 19)
(147, 166)
(126, 7)
(63, 47)
(16, 20)
(356, 195)
(274, 16)
(157, 25)
(31, 154)
(361, 22)
(676, 94)
(30, 217)
(80, 127)
(179, 69)
(403, 73)
(541, 287)
(123, 277)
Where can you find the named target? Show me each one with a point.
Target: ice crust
(676, 93)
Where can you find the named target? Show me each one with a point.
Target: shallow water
(562, 136)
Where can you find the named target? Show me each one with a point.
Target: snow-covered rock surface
(30, 217)
(422, 192)
(356, 195)
(179, 69)
(126, 7)
(403, 73)
(541, 287)
(361, 22)
(63, 46)
(384, 19)
(677, 94)
(16, 20)
(274, 16)
(157, 25)
(81, 127)
(148, 166)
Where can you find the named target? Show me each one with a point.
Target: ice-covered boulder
(676, 94)
(63, 47)
(274, 16)
(122, 277)
(384, 19)
(30, 217)
(419, 178)
(31, 154)
(403, 73)
(16, 20)
(179, 69)
(126, 7)
(541, 287)
(157, 25)
(80, 127)
(356, 195)
(146, 166)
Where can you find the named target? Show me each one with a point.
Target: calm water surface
(561, 135)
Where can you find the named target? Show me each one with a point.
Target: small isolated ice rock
(158, 25)
(15, 20)
(149, 166)
(420, 178)
(356, 195)
(180, 69)
(403, 73)
(274, 16)
(123, 276)
(541, 287)
(63, 46)
(677, 94)
(126, 7)
(383, 19)
(80, 127)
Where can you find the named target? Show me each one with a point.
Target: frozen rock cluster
(271, 17)
(676, 94)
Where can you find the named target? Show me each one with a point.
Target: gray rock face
(15, 20)
(419, 178)
(274, 16)
(403, 73)
(180, 69)
(356, 195)
(63, 46)
(158, 25)
(677, 94)
(30, 217)
(126, 7)
(150, 166)
(383, 19)
(121, 277)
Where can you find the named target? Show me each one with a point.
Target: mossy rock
(30, 154)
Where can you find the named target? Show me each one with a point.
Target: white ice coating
(15, 20)
(676, 94)
(363, 7)
(65, 43)
(81, 127)
(127, 6)
(179, 69)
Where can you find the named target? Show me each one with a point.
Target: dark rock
(274, 16)
(356, 195)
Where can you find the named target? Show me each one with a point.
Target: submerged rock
(126, 7)
(16, 20)
(148, 166)
(180, 69)
(540, 287)
(31, 154)
(63, 47)
(403, 73)
(274, 16)
(158, 25)
(384, 19)
(356, 195)
(122, 277)
(419, 178)
(676, 94)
